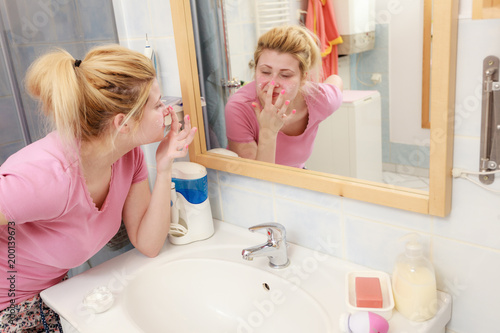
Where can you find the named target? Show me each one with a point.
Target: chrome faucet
(274, 248)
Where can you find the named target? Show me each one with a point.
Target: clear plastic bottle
(414, 282)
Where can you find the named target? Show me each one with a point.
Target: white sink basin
(206, 287)
(223, 296)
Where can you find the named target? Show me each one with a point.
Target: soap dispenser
(414, 282)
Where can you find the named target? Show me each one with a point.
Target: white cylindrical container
(414, 283)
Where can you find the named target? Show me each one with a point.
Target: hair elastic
(77, 63)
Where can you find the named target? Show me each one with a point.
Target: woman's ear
(120, 125)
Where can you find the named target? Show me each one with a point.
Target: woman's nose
(276, 82)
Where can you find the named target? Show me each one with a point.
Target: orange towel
(320, 19)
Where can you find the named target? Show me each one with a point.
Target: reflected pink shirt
(56, 224)
(242, 125)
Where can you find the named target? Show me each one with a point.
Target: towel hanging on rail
(321, 20)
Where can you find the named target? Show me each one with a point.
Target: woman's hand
(273, 116)
(175, 143)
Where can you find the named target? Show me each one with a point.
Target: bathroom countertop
(66, 297)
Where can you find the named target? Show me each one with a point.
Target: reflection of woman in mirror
(276, 117)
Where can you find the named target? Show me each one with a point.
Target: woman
(63, 197)
(276, 117)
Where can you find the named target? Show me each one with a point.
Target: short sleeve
(237, 129)
(141, 168)
(33, 192)
(330, 98)
(334, 95)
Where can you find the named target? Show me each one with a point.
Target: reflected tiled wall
(409, 158)
(242, 37)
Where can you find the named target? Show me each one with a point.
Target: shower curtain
(213, 69)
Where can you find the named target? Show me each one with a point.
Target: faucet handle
(275, 231)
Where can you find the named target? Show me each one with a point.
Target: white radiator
(270, 14)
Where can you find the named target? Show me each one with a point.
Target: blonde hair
(297, 41)
(82, 98)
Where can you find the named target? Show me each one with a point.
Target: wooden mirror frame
(437, 201)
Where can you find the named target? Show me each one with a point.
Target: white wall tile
(470, 274)
(167, 64)
(232, 11)
(318, 199)
(376, 245)
(213, 176)
(246, 208)
(245, 182)
(477, 39)
(310, 226)
(161, 18)
(121, 27)
(396, 217)
(136, 18)
(215, 200)
(475, 216)
(466, 153)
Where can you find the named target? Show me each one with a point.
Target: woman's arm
(270, 119)
(264, 151)
(146, 215)
(336, 81)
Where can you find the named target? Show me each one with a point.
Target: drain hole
(266, 286)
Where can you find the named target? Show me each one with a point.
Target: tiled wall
(409, 157)
(242, 36)
(465, 246)
(11, 138)
(35, 26)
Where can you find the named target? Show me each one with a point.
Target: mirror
(377, 132)
(437, 201)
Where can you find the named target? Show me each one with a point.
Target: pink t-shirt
(56, 225)
(242, 125)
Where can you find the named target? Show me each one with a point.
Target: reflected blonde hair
(83, 100)
(297, 41)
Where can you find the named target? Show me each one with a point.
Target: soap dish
(385, 286)
(98, 299)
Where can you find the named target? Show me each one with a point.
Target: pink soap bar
(368, 292)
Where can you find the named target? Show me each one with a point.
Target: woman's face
(152, 126)
(283, 69)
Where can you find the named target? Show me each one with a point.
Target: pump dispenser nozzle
(413, 248)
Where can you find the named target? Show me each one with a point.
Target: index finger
(269, 95)
(176, 125)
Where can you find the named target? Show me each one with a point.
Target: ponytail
(52, 80)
